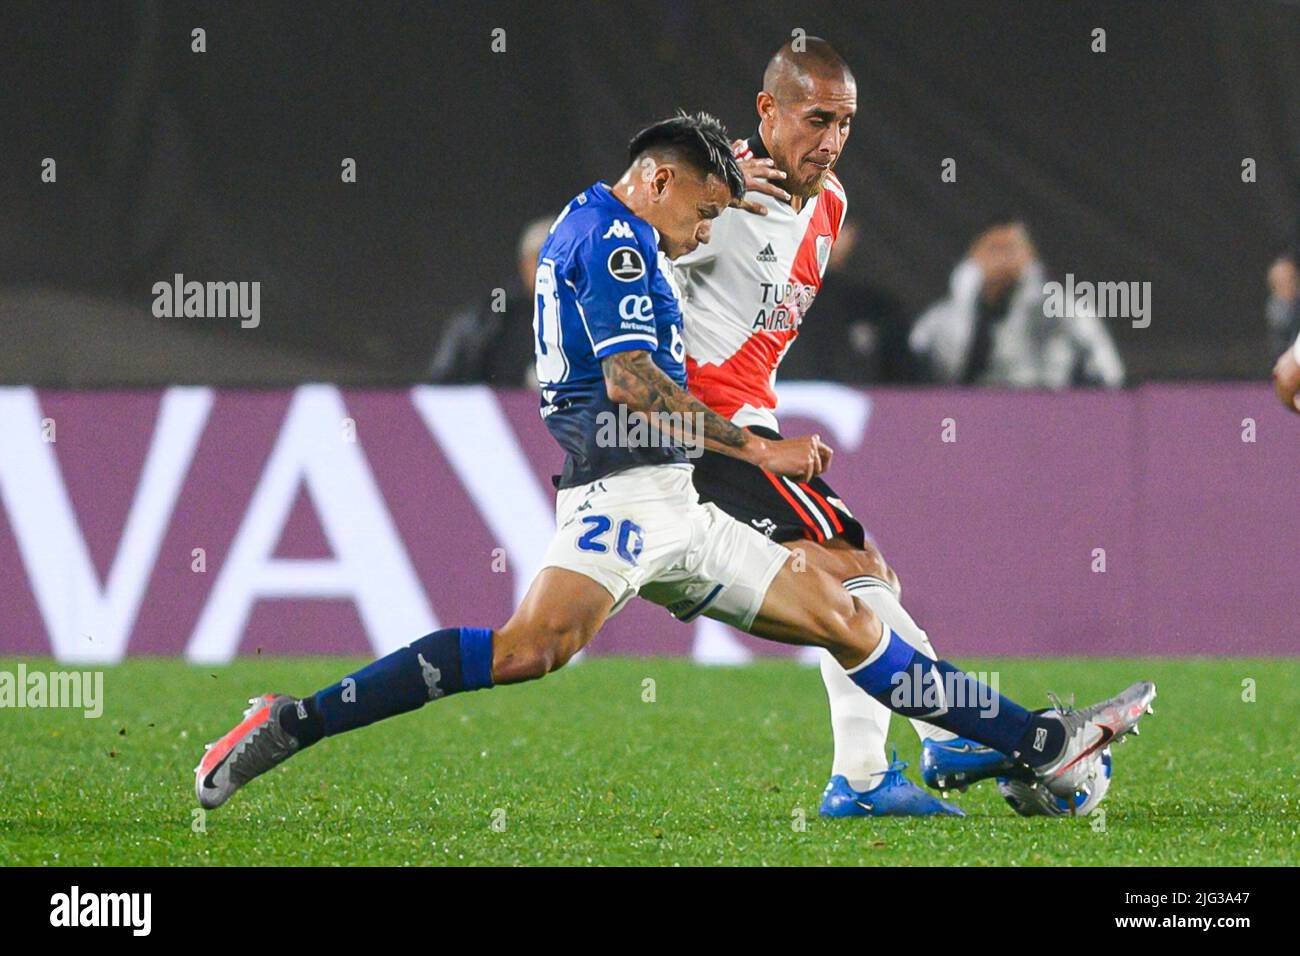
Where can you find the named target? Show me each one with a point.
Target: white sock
(859, 725)
(880, 597)
(859, 722)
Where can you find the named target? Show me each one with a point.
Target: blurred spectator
(993, 329)
(1283, 308)
(855, 332)
(1284, 323)
(492, 342)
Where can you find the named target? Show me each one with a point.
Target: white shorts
(644, 531)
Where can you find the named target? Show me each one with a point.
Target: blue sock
(445, 662)
(909, 683)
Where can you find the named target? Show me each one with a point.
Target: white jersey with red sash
(745, 293)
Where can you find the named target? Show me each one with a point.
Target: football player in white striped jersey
(744, 295)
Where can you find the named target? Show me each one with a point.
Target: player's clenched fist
(801, 458)
(824, 454)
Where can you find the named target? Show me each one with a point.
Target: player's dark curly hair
(699, 139)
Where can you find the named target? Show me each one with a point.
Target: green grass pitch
(580, 768)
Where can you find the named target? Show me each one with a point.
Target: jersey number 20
(628, 542)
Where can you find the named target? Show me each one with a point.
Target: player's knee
(861, 633)
(893, 580)
(871, 562)
(849, 562)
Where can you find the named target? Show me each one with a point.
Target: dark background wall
(225, 165)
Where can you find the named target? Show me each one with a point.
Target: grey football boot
(252, 748)
(1088, 732)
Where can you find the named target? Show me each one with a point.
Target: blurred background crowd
(995, 326)
(1169, 155)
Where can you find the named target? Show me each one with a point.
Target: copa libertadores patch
(626, 264)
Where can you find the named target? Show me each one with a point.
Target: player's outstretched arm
(633, 379)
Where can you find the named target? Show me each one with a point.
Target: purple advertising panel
(209, 523)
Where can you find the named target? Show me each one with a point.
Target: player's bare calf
(560, 614)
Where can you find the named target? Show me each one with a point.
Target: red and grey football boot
(1088, 732)
(252, 748)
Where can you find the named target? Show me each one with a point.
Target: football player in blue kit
(629, 522)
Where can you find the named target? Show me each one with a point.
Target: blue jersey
(602, 287)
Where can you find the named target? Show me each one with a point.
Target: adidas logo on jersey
(766, 254)
(618, 229)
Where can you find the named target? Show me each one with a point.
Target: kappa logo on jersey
(626, 264)
(618, 229)
(766, 254)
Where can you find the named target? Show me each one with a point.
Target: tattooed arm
(633, 379)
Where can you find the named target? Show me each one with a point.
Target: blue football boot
(956, 764)
(894, 796)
